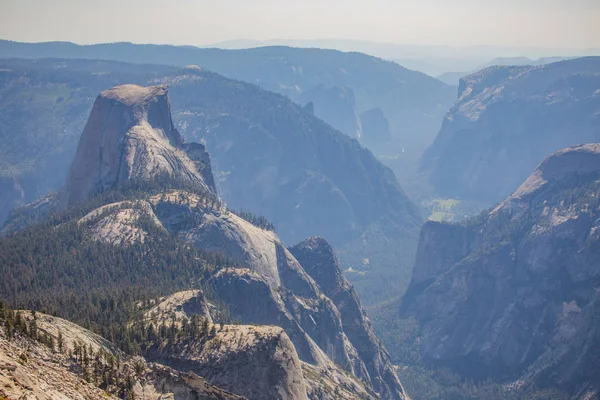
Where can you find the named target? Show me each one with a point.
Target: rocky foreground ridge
(298, 336)
(50, 367)
(515, 292)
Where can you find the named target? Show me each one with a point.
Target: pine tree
(60, 341)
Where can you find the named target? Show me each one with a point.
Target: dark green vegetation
(102, 369)
(269, 156)
(424, 381)
(113, 372)
(54, 267)
(256, 220)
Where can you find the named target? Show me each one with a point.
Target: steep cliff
(256, 362)
(130, 136)
(375, 127)
(514, 293)
(321, 264)
(507, 120)
(336, 106)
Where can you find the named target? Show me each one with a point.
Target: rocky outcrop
(275, 289)
(507, 120)
(332, 383)
(130, 136)
(32, 370)
(272, 288)
(269, 287)
(231, 343)
(120, 223)
(258, 362)
(321, 264)
(375, 127)
(179, 305)
(157, 382)
(514, 293)
(336, 106)
(38, 374)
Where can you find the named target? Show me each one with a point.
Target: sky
(573, 24)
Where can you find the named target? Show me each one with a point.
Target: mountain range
(187, 235)
(412, 102)
(272, 158)
(137, 192)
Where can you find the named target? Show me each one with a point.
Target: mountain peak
(131, 95)
(130, 135)
(563, 164)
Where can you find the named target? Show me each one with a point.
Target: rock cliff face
(255, 377)
(335, 105)
(130, 136)
(279, 161)
(256, 362)
(267, 286)
(507, 120)
(375, 127)
(514, 293)
(321, 264)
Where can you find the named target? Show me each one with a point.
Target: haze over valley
(274, 200)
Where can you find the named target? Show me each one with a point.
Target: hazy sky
(547, 23)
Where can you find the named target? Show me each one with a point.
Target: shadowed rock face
(336, 106)
(130, 135)
(507, 120)
(515, 292)
(375, 127)
(320, 262)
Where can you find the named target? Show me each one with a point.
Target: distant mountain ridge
(412, 102)
(453, 78)
(506, 120)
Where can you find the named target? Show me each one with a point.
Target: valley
(295, 223)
